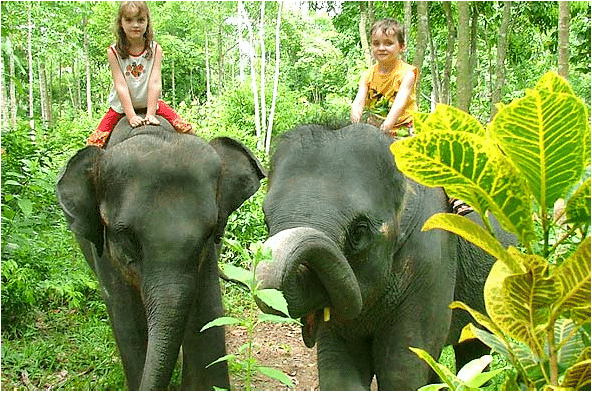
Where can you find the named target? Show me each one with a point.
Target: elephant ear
(76, 194)
(240, 176)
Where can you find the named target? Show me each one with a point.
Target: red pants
(110, 120)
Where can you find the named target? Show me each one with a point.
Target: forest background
(249, 70)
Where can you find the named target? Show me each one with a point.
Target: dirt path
(278, 346)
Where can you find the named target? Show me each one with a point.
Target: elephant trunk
(167, 309)
(312, 272)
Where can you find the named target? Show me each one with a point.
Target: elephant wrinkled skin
(344, 228)
(149, 212)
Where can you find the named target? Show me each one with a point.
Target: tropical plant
(244, 358)
(535, 152)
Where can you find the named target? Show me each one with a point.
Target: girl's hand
(151, 119)
(136, 121)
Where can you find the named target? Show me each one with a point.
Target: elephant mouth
(314, 276)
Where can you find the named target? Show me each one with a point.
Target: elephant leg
(128, 320)
(343, 364)
(202, 348)
(397, 367)
(468, 350)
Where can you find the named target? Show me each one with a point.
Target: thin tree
(208, 89)
(502, 47)
(4, 96)
(276, 79)
(363, 34)
(243, 14)
(463, 97)
(87, 65)
(563, 40)
(435, 97)
(30, 63)
(422, 39)
(262, 69)
(407, 24)
(449, 53)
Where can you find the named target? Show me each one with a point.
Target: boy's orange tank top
(383, 88)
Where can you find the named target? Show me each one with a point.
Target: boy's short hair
(390, 26)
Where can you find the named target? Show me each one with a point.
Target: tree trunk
(502, 46)
(220, 52)
(208, 89)
(463, 57)
(253, 77)
(371, 18)
(363, 34)
(43, 96)
(435, 73)
(174, 101)
(276, 78)
(12, 88)
(241, 57)
(563, 40)
(262, 70)
(449, 53)
(87, 67)
(407, 25)
(4, 97)
(422, 40)
(30, 63)
(473, 53)
(78, 96)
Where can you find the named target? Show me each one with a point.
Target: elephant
(149, 211)
(352, 262)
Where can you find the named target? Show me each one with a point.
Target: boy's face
(386, 47)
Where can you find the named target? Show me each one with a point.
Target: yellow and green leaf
(543, 134)
(577, 209)
(470, 168)
(447, 118)
(574, 276)
(519, 303)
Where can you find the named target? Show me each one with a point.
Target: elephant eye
(359, 234)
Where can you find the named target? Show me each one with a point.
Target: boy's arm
(357, 108)
(154, 87)
(400, 101)
(122, 90)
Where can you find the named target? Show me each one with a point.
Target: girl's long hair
(123, 45)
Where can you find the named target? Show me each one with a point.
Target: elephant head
(333, 212)
(149, 211)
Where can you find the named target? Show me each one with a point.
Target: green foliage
(534, 153)
(244, 359)
(34, 233)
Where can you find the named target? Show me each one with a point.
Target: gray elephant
(349, 256)
(149, 212)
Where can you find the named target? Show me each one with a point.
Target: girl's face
(386, 47)
(134, 24)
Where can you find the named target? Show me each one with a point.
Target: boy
(387, 90)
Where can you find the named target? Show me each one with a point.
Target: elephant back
(123, 130)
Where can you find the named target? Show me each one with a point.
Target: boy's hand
(135, 121)
(151, 119)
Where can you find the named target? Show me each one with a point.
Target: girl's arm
(400, 101)
(154, 87)
(357, 108)
(123, 91)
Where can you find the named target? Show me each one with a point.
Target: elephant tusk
(327, 314)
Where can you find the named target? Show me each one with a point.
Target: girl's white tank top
(136, 70)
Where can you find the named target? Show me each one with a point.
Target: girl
(387, 90)
(135, 64)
